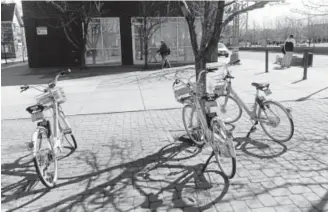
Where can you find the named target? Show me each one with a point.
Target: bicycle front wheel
(223, 148)
(276, 121)
(45, 160)
(228, 109)
(192, 125)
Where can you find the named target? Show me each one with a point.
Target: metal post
(306, 62)
(266, 61)
(4, 51)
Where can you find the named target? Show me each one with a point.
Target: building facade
(114, 37)
(12, 32)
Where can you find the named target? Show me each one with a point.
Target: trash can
(310, 59)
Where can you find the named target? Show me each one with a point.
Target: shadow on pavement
(307, 97)
(260, 148)
(155, 177)
(23, 75)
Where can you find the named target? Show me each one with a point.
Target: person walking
(289, 49)
(164, 51)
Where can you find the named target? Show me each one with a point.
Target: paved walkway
(141, 161)
(135, 91)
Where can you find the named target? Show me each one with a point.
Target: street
(133, 153)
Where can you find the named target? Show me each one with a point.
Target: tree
(71, 14)
(213, 18)
(147, 24)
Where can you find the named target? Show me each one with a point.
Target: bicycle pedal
(30, 145)
(253, 129)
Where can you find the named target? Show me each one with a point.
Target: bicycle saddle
(260, 86)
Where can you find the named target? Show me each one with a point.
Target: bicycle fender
(35, 137)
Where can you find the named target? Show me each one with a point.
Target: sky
(266, 14)
(271, 13)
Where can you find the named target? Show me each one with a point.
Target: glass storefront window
(173, 30)
(103, 42)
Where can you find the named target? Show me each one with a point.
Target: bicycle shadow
(192, 190)
(261, 148)
(107, 186)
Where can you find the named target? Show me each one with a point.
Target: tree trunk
(84, 43)
(145, 40)
(141, 35)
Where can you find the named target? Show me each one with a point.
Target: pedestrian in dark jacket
(289, 49)
(164, 51)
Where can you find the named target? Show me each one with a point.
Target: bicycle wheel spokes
(192, 125)
(223, 149)
(45, 160)
(228, 109)
(276, 122)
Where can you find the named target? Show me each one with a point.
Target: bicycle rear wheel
(223, 148)
(275, 121)
(67, 130)
(228, 109)
(45, 160)
(192, 125)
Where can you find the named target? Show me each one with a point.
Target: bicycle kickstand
(253, 129)
(207, 162)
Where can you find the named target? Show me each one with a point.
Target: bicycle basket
(181, 93)
(220, 88)
(47, 98)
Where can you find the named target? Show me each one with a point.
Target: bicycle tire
(290, 120)
(52, 156)
(220, 130)
(197, 135)
(74, 145)
(221, 110)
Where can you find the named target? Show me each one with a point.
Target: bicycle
(259, 111)
(206, 127)
(51, 99)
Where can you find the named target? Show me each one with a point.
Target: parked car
(222, 50)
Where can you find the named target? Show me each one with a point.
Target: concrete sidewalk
(140, 90)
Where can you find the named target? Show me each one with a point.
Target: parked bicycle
(202, 130)
(46, 141)
(270, 114)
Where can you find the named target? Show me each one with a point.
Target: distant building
(113, 38)
(12, 35)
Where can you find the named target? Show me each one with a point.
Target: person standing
(164, 51)
(289, 49)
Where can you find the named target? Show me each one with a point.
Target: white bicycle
(46, 141)
(206, 127)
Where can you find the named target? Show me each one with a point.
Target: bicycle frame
(251, 113)
(257, 102)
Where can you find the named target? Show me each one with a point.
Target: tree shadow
(113, 186)
(23, 167)
(260, 148)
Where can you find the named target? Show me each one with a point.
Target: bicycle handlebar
(50, 85)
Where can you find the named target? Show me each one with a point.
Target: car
(222, 50)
